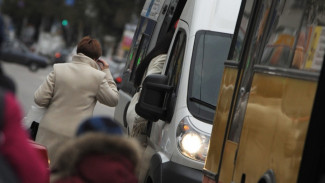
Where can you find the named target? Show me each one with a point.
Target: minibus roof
(213, 15)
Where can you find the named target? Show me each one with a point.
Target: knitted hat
(100, 124)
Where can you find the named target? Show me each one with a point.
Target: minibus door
(173, 72)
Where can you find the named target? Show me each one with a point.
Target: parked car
(16, 52)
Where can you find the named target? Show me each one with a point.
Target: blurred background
(39, 33)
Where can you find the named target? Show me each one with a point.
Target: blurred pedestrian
(15, 148)
(19, 162)
(152, 64)
(70, 93)
(100, 153)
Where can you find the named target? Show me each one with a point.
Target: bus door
(253, 21)
(276, 86)
(231, 74)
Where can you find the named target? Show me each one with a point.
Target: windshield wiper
(196, 100)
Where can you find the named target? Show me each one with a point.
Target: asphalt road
(27, 82)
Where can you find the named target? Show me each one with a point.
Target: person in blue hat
(100, 124)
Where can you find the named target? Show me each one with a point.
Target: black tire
(33, 67)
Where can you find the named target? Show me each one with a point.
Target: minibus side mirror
(152, 104)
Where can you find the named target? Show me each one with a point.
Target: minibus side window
(210, 51)
(175, 62)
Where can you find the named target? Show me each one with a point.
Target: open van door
(157, 18)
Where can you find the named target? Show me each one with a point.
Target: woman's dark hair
(160, 48)
(89, 47)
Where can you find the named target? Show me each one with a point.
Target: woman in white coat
(70, 93)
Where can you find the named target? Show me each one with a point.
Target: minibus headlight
(191, 142)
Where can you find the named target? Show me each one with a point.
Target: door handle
(242, 91)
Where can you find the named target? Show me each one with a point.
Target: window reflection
(297, 38)
(300, 51)
(242, 30)
(312, 38)
(280, 44)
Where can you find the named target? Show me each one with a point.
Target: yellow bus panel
(220, 119)
(227, 169)
(275, 127)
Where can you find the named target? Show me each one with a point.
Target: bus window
(241, 31)
(140, 44)
(210, 51)
(289, 48)
(310, 46)
(141, 53)
(283, 35)
(135, 44)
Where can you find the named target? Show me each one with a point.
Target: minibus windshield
(209, 54)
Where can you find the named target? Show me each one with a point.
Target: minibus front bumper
(170, 172)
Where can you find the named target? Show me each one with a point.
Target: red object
(176, 23)
(41, 150)
(118, 80)
(16, 148)
(126, 43)
(57, 55)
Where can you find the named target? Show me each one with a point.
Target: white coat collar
(81, 58)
